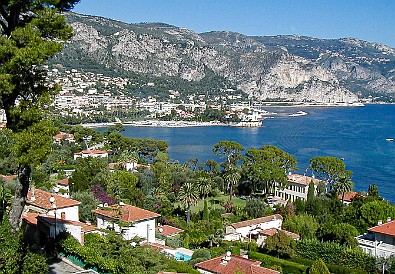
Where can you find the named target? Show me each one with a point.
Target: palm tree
(232, 176)
(343, 185)
(188, 196)
(204, 186)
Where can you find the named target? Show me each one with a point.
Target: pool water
(182, 257)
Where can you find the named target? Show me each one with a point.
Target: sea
(357, 135)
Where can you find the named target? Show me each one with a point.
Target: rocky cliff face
(282, 67)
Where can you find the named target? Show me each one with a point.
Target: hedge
(270, 261)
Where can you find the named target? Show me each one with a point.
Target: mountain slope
(290, 68)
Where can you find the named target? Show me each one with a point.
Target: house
(64, 136)
(264, 233)
(94, 153)
(130, 221)
(297, 188)
(47, 214)
(232, 264)
(246, 230)
(49, 204)
(348, 197)
(168, 231)
(62, 188)
(380, 240)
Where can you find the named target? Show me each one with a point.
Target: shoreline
(157, 123)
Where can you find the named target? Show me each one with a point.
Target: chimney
(388, 219)
(380, 222)
(32, 190)
(226, 259)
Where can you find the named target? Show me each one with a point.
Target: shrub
(269, 262)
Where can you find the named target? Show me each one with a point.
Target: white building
(298, 186)
(62, 188)
(129, 221)
(39, 201)
(248, 229)
(380, 240)
(94, 153)
(49, 214)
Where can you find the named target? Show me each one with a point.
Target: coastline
(184, 124)
(158, 123)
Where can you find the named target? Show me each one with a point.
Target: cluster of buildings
(47, 214)
(86, 93)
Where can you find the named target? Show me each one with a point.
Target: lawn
(215, 202)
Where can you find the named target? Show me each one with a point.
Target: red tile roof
(64, 182)
(167, 230)
(236, 264)
(302, 179)
(273, 231)
(63, 135)
(41, 200)
(349, 196)
(386, 228)
(257, 221)
(126, 213)
(30, 218)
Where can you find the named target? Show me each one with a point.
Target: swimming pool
(182, 257)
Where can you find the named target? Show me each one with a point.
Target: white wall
(72, 213)
(139, 229)
(243, 232)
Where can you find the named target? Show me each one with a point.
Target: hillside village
(87, 94)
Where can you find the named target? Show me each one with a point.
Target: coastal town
(78, 194)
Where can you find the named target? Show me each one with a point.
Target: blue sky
(372, 21)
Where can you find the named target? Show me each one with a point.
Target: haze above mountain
(292, 68)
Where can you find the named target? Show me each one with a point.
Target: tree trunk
(188, 215)
(230, 192)
(19, 200)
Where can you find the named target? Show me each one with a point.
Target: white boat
(299, 113)
(390, 139)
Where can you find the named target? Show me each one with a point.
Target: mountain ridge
(283, 67)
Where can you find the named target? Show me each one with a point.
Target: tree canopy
(31, 32)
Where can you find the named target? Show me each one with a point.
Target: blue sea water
(357, 134)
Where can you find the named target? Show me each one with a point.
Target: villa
(297, 188)
(95, 153)
(47, 214)
(380, 240)
(249, 229)
(129, 221)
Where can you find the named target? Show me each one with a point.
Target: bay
(355, 134)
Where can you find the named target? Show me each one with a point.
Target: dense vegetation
(174, 190)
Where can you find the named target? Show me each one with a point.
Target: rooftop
(387, 228)
(302, 179)
(41, 200)
(273, 231)
(126, 213)
(90, 152)
(64, 182)
(234, 264)
(349, 196)
(167, 230)
(257, 221)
